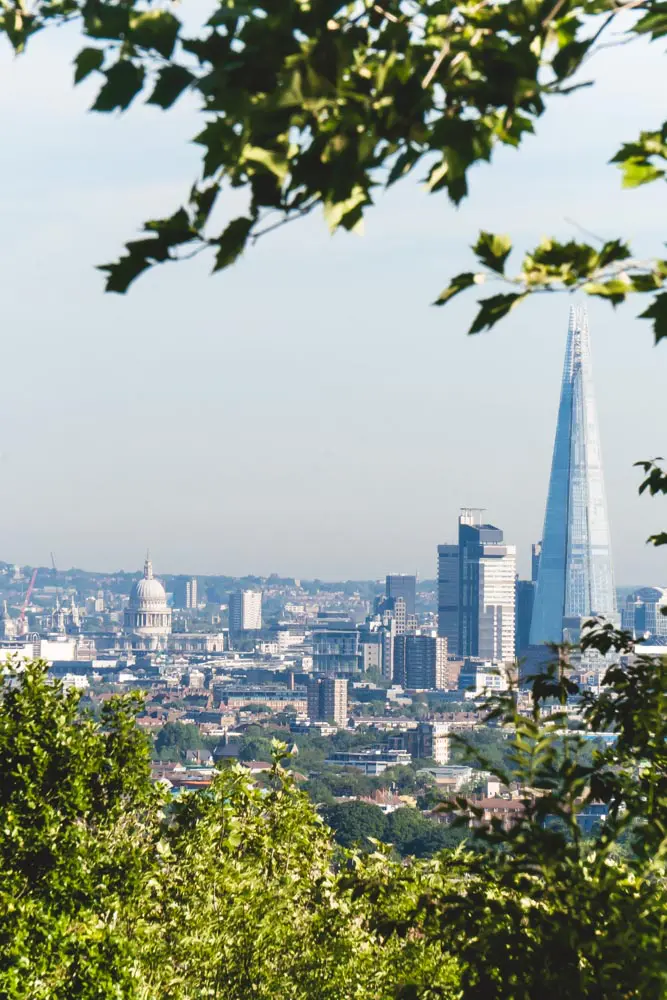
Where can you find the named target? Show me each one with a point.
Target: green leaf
(155, 29)
(87, 61)
(458, 284)
(347, 212)
(614, 290)
(494, 309)
(123, 272)
(124, 81)
(659, 539)
(612, 251)
(274, 160)
(232, 242)
(171, 82)
(654, 23)
(657, 311)
(569, 58)
(493, 250)
(637, 171)
(203, 199)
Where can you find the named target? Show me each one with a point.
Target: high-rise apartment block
(245, 610)
(575, 578)
(448, 595)
(487, 595)
(420, 661)
(327, 700)
(429, 739)
(402, 585)
(185, 592)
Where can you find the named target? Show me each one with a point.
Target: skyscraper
(487, 590)
(575, 577)
(525, 598)
(245, 610)
(448, 595)
(402, 585)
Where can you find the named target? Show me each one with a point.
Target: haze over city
(307, 412)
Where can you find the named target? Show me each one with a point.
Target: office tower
(336, 651)
(525, 596)
(487, 590)
(327, 700)
(575, 578)
(185, 592)
(536, 552)
(448, 595)
(401, 585)
(420, 661)
(642, 613)
(245, 610)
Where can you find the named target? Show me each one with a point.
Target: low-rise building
(371, 762)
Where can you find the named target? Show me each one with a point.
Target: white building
(147, 618)
(497, 595)
(245, 610)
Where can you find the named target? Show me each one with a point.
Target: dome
(148, 594)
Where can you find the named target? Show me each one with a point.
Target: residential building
(184, 593)
(575, 578)
(327, 700)
(395, 609)
(245, 610)
(420, 661)
(430, 739)
(448, 595)
(371, 651)
(487, 585)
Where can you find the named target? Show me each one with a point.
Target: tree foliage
(317, 104)
(108, 889)
(176, 738)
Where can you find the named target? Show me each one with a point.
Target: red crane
(28, 595)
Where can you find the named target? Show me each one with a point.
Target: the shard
(575, 578)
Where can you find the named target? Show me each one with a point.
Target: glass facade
(575, 577)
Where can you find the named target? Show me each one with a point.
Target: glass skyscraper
(575, 578)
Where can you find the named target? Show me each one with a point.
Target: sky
(306, 412)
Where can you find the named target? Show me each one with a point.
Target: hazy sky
(306, 412)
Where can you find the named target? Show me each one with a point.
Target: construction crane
(28, 595)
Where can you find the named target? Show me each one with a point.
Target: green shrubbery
(109, 889)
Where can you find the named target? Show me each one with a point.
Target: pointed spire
(575, 576)
(148, 566)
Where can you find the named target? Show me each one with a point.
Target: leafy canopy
(309, 104)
